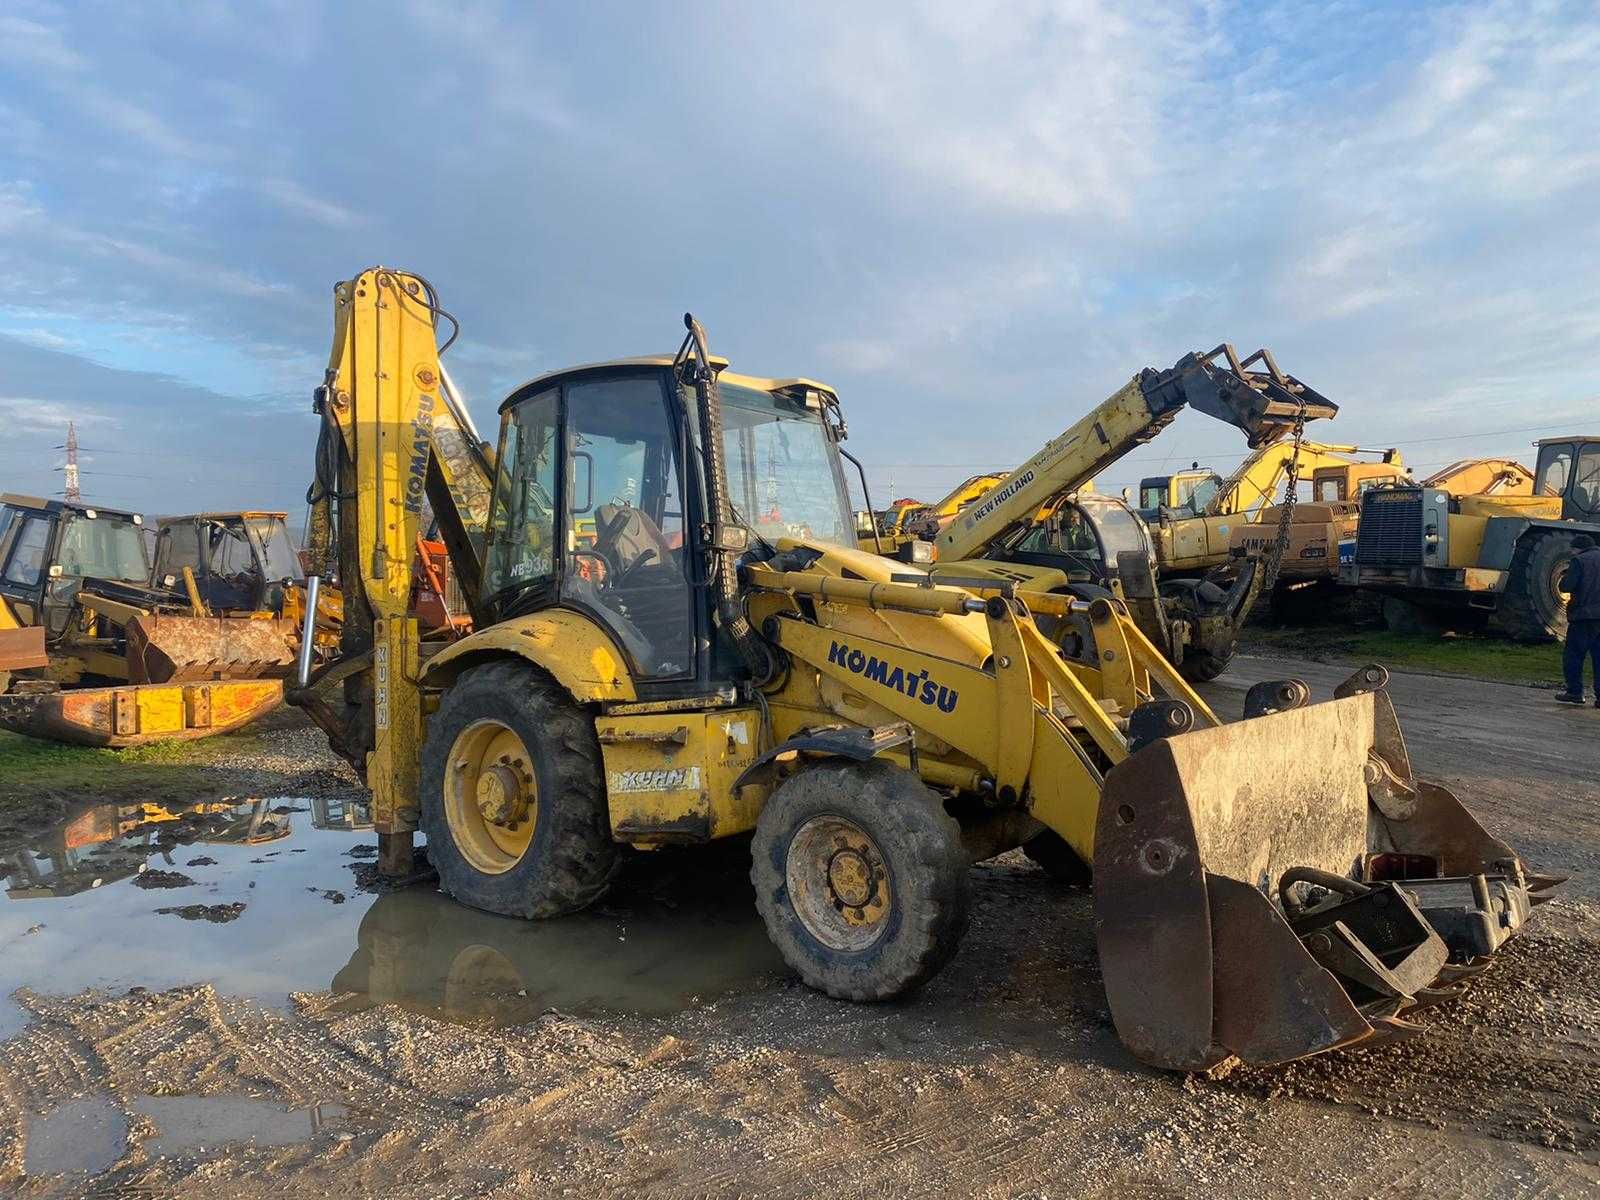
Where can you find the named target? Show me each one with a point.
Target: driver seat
(626, 536)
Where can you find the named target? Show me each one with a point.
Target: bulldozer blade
(21, 649)
(1179, 820)
(119, 717)
(163, 648)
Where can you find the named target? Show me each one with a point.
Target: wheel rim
(1560, 594)
(491, 796)
(838, 883)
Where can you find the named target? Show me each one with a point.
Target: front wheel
(513, 795)
(861, 879)
(1533, 607)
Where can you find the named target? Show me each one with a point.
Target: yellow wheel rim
(839, 883)
(491, 796)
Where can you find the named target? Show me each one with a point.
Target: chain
(1291, 485)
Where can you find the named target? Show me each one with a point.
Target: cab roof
(40, 504)
(659, 361)
(1571, 437)
(237, 514)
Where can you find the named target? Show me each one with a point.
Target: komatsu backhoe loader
(666, 652)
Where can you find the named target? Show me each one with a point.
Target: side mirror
(1127, 495)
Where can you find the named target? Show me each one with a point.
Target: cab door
(25, 554)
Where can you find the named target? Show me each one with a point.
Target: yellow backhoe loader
(922, 522)
(663, 656)
(91, 653)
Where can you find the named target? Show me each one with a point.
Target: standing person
(1582, 585)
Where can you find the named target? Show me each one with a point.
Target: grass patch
(30, 767)
(1498, 660)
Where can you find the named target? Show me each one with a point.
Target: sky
(975, 221)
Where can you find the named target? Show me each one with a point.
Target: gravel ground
(1003, 1078)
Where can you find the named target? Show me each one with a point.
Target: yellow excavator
(662, 655)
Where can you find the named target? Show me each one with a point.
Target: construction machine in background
(710, 664)
(1041, 531)
(1437, 555)
(924, 521)
(91, 653)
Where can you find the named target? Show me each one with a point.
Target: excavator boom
(1264, 402)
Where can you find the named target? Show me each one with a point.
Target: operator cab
(241, 561)
(1082, 536)
(600, 503)
(48, 548)
(1569, 467)
(1181, 494)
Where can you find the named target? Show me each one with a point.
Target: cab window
(1555, 468)
(625, 557)
(1586, 482)
(26, 567)
(522, 538)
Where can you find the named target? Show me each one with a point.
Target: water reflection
(108, 842)
(643, 951)
(274, 908)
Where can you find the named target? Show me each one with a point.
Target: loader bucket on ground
(171, 649)
(119, 717)
(1204, 842)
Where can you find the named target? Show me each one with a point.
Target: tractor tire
(861, 878)
(1202, 666)
(568, 859)
(1050, 852)
(1532, 608)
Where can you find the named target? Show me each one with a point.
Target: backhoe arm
(394, 436)
(1263, 402)
(1255, 481)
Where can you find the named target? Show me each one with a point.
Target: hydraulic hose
(724, 556)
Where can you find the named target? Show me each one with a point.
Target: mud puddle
(88, 1134)
(262, 899)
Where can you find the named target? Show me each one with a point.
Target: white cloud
(25, 415)
(36, 44)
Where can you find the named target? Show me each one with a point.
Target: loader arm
(1264, 403)
(394, 436)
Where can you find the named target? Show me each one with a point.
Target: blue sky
(975, 221)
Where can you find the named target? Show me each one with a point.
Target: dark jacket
(1582, 585)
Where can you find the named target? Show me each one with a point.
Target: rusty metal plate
(109, 716)
(21, 649)
(1272, 1001)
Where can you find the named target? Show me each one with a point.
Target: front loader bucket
(172, 649)
(1203, 844)
(119, 717)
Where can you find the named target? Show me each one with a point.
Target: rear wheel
(1533, 607)
(513, 798)
(861, 879)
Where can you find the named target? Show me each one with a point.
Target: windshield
(783, 472)
(1119, 529)
(104, 548)
(281, 561)
(1555, 465)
